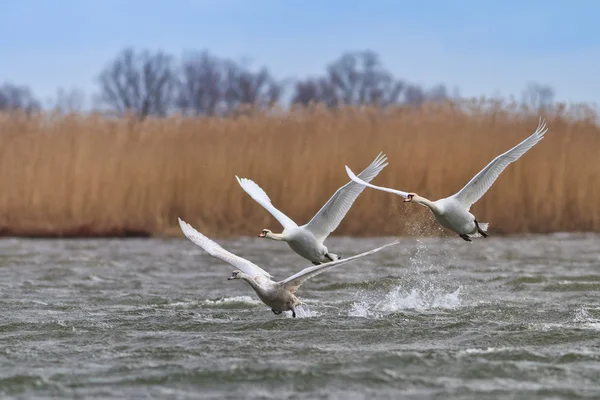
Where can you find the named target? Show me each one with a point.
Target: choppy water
(430, 318)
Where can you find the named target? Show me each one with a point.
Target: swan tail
(333, 257)
(483, 226)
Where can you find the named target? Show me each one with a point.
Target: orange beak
(262, 234)
(406, 200)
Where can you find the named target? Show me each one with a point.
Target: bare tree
(213, 86)
(317, 90)
(537, 96)
(359, 78)
(245, 87)
(356, 78)
(143, 83)
(14, 97)
(202, 84)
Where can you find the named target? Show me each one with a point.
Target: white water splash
(303, 311)
(399, 299)
(428, 289)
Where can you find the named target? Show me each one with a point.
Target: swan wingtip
(351, 174)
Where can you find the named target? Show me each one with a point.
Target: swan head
(409, 197)
(235, 275)
(264, 233)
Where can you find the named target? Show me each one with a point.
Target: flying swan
(453, 212)
(307, 240)
(280, 296)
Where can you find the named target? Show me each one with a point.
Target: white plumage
(453, 212)
(280, 296)
(307, 240)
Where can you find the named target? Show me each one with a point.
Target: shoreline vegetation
(91, 176)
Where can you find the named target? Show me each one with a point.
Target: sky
(482, 47)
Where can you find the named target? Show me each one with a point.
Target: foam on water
(583, 317)
(232, 300)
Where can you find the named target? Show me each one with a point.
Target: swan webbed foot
(293, 313)
(316, 263)
(276, 312)
(481, 232)
(466, 237)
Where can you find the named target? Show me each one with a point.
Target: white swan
(280, 296)
(453, 212)
(307, 240)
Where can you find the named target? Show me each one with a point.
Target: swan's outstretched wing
(487, 176)
(358, 180)
(217, 251)
(261, 198)
(331, 214)
(293, 282)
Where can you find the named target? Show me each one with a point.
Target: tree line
(154, 83)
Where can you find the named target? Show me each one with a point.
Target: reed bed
(79, 175)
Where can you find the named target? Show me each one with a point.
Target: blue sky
(492, 47)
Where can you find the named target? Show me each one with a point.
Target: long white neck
(275, 236)
(427, 203)
(260, 285)
(250, 281)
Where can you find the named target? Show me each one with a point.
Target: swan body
(280, 296)
(450, 214)
(306, 244)
(307, 240)
(453, 212)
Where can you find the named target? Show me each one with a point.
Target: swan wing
(293, 282)
(261, 198)
(217, 251)
(358, 180)
(331, 214)
(481, 182)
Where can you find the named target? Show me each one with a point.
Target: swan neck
(275, 236)
(427, 203)
(250, 281)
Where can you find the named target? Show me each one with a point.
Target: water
(511, 317)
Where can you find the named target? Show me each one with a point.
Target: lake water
(515, 317)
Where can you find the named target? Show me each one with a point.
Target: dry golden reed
(87, 175)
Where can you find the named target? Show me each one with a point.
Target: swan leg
(293, 313)
(328, 256)
(466, 237)
(480, 230)
(275, 311)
